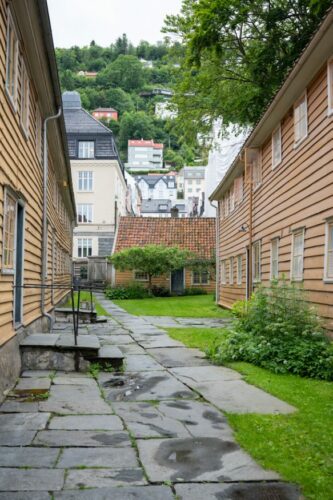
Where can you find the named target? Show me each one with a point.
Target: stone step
(47, 351)
(85, 315)
(101, 319)
(110, 355)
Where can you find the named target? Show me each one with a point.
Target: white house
(157, 187)
(144, 155)
(98, 180)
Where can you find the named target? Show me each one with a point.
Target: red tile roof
(195, 234)
(145, 144)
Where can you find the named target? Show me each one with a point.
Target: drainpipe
(217, 272)
(44, 229)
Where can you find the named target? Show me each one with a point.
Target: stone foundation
(10, 365)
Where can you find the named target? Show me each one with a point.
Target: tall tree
(237, 54)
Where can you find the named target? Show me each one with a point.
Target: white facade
(158, 188)
(144, 155)
(221, 155)
(100, 195)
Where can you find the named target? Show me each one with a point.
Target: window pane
(239, 269)
(86, 149)
(9, 232)
(297, 257)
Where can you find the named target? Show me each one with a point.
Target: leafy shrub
(278, 330)
(131, 291)
(160, 291)
(195, 291)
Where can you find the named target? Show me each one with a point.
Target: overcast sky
(77, 22)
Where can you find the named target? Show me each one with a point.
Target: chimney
(174, 212)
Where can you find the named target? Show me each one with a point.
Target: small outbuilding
(194, 234)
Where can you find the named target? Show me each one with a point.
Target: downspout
(44, 228)
(217, 272)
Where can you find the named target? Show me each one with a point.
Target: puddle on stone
(258, 492)
(182, 405)
(214, 417)
(127, 385)
(110, 439)
(192, 457)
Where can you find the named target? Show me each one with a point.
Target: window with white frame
(200, 277)
(238, 189)
(223, 272)
(140, 276)
(274, 258)
(231, 271)
(11, 60)
(276, 147)
(231, 199)
(25, 90)
(256, 171)
(84, 247)
(328, 271)
(256, 262)
(297, 255)
(39, 127)
(9, 232)
(85, 181)
(239, 270)
(300, 119)
(85, 213)
(86, 149)
(330, 86)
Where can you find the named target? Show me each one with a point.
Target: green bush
(195, 291)
(277, 329)
(160, 291)
(131, 291)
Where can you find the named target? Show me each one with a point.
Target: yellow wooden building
(37, 209)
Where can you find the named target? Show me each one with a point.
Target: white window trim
(256, 280)
(231, 270)
(327, 279)
(25, 79)
(92, 181)
(239, 269)
(278, 128)
(223, 272)
(87, 239)
(277, 239)
(39, 132)
(8, 270)
(329, 87)
(140, 279)
(294, 233)
(297, 143)
(12, 98)
(92, 213)
(200, 284)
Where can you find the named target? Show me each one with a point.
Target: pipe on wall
(44, 225)
(217, 251)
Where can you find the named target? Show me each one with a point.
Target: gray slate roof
(153, 206)
(79, 121)
(152, 180)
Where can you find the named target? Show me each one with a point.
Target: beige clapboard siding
(21, 169)
(297, 193)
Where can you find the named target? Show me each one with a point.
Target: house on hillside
(107, 114)
(196, 235)
(191, 185)
(276, 199)
(36, 224)
(98, 179)
(144, 155)
(157, 187)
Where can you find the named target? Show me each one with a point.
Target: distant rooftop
(143, 143)
(77, 119)
(105, 110)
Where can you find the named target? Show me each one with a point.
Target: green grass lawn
(298, 446)
(85, 296)
(197, 306)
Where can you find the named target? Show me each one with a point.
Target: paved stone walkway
(154, 431)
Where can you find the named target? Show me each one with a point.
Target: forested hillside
(122, 76)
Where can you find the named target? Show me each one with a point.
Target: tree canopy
(237, 54)
(123, 73)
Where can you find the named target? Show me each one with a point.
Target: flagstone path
(154, 431)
